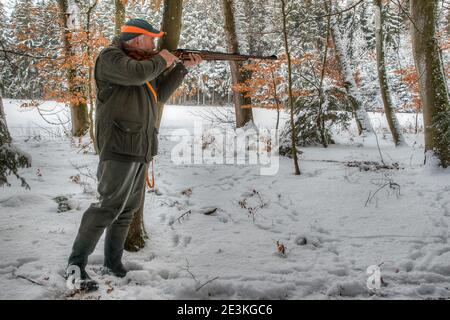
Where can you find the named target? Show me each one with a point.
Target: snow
(331, 235)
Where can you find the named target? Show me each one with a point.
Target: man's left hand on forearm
(194, 59)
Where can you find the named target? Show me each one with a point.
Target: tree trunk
(90, 87)
(291, 104)
(432, 83)
(394, 126)
(275, 98)
(448, 21)
(416, 128)
(172, 26)
(248, 14)
(242, 115)
(353, 94)
(78, 110)
(137, 234)
(320, 117)
(5, 136)
(119, 16)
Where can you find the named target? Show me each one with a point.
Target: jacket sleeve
(116, 67)
(166, 84)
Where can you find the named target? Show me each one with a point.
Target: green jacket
(126, 111)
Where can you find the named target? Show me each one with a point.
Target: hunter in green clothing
(128, 88)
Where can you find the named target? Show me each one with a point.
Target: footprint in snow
(175, 240)
(186, 240)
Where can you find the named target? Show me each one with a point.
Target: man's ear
(132, 42)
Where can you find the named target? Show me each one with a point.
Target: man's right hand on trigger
(170, 58)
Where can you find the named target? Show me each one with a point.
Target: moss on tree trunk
(432, 83)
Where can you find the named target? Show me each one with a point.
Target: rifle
(183, 54)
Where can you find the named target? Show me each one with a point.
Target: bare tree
(432, 83)
(171, 24)
(90, 79)
(243, 115)
(291, 103)
(382, 76)
(345, 69)
(79, 112)
(119, 15)
(320, 118)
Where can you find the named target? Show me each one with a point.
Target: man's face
(145, 42)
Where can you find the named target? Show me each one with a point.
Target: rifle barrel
(183, 54)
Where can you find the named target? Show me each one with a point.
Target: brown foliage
(409, 76)
(266, 85)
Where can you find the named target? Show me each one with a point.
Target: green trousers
(121, 186)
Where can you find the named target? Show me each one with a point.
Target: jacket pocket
(155, 142)
(127, 138)
(105, 93)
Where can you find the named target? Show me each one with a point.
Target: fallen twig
(392, 185)
(195, 278)
(209, 281)
(180, 218)
(28, 279)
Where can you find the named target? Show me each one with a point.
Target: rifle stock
(183, 54)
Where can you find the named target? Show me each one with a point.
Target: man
(129, 84)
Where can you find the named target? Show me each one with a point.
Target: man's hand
(194, 59)
(170, 58)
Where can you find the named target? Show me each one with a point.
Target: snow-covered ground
(331, 232)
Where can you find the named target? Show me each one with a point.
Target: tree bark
(5, 136)
(171, 24)
(243, 115)
(432, 83)
(137, 234)
(394, 126)
(275, 98)
(90, 87)
(320, 117)
(78, 110)
(353, 94)
(119, 16)
(291, 104)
